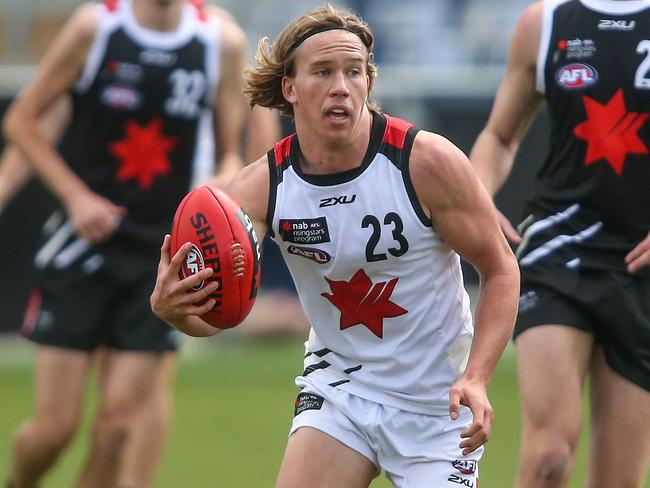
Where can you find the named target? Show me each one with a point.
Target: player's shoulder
(440, 170)
(232, 34)
(529, 24)
(79, 31)
(83, 20)
(532, 14)
(251, 187)
(255, 172)
(435, 155)
(526, 37)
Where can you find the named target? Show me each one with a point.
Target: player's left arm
(230, 103)
(463, 215)
(639, 257)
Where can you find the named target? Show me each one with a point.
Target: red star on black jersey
(143, 153)
(362, 303)
(611, 131)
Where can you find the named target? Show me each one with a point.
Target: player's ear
(288, 91)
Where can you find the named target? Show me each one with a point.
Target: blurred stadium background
(440, 62)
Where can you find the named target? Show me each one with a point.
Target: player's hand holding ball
(209, 266)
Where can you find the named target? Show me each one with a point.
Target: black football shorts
(89, 304)
(612, 305)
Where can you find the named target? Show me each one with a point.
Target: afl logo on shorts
(193, 264)
(576, 76)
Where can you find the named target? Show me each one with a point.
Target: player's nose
(339, 84)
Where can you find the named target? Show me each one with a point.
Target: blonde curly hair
(276, 60)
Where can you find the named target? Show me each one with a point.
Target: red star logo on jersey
(361, 302)
(143, 153)
(611, 131)
(286, 226)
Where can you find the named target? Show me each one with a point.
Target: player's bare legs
(552, 362)
(317, 460)
(124, 384)
(149, 429)
(60, 377)
(620, 430)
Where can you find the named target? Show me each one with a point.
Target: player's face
(330, 86)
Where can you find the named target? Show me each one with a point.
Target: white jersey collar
(616, 7)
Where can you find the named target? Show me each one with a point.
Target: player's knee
(111, 428)
(54, 436)
(553, 465)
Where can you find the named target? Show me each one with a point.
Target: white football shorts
(414, 450)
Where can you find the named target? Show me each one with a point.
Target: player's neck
(320, 157)
(159, 15)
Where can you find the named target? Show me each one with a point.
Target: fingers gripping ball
(223, 238)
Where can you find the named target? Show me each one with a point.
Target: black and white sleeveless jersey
(383, 293)
(591, 202)
(140, 105)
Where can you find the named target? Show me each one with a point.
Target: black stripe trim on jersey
(338, 383)
(313, 367)
(406, 175)
(376, 136)
(353, 369)
(320, 353)
(276, 173)
(273, 190)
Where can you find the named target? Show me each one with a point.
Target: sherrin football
(223, 238)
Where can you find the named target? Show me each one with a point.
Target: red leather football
(223, 238)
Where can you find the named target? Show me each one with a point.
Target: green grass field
(234, 403)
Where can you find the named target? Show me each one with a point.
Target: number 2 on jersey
(641, 79)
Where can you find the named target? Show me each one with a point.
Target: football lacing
(239, 260)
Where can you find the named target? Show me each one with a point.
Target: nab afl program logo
(193, 264)
(576, 76)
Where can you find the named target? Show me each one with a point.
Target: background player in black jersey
(114, 222)
(319, 70)
(584, 250)
(150, 427)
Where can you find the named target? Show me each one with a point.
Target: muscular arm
(465, 218)
(93, 217)
(515, 105)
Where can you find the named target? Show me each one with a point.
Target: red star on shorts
(143, 153)
(611, 131)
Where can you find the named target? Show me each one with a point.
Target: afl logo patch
(193, 264)
(465, 466)
(317, 255)
(576, 76)
(121, 97)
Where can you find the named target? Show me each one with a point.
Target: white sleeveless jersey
(383, 293)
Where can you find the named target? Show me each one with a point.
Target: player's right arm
(15, 170)
(171, 299)
(93, 217)
(515, 106)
